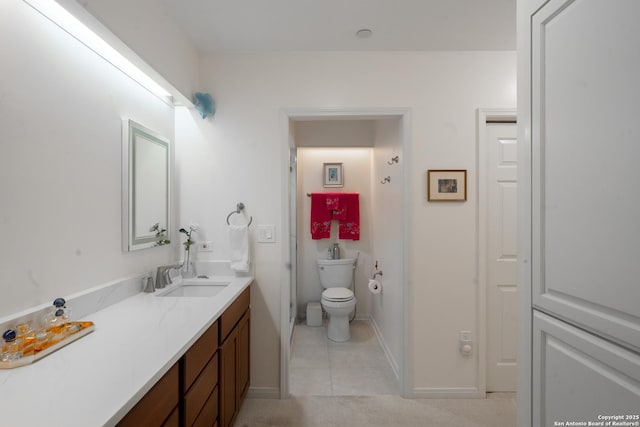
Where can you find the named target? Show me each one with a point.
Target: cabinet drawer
(157, 404)
(197, 396)
(199, 354)
(209, 413)
(233, 313)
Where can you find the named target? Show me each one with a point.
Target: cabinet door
(156, 406)
(578, 376)
(585, 171)
(228, 382)
(243, 356)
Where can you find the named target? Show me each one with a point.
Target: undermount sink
(196, 290)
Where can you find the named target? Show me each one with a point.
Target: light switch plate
(266, 233)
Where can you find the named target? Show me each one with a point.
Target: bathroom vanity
(151, 361)
(211, 378)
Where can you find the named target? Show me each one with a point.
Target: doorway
(291, 290)
(497, 138)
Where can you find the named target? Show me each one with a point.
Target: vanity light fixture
(72, 25)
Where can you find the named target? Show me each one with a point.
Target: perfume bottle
(61, 303)
(42, 341)
(55, 320)
(28, 337)
(12, 346)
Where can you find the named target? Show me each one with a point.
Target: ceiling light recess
(364, 33)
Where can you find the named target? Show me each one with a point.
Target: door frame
(484, 115)
(288, 115)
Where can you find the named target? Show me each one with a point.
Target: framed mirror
(145, 187)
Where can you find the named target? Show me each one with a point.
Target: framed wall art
(333, 175)
(447, 185)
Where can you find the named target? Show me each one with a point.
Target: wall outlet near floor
(204, 246)
(466, 343)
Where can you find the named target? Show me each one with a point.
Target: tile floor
(321, 367)
(351, 384)
(497, 410)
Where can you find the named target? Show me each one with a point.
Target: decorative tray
(79, 329)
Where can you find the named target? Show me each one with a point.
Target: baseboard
(447, 393)
(263, 393)
(394, 365)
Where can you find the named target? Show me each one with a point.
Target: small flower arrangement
(160, 240)
(187, 243)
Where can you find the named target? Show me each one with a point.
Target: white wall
(243, 156)
(61, 108)
(147, 28)
(356, 163)
(387, 227)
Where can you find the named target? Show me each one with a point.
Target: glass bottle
(12, 347)
(28, 337)
(56, 327)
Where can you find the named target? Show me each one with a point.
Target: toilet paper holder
(377, 273)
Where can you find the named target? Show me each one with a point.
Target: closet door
(585, 169)
(578, 376)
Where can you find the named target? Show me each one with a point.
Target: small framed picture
(333, 175)
(446, 185)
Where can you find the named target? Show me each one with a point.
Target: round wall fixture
(364, 33)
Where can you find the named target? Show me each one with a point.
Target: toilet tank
(336, 273)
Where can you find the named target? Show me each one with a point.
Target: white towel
(239, 242)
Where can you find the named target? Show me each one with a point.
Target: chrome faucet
(162, 275)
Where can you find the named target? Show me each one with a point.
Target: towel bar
(239, 208)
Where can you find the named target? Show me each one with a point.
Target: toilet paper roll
(375, 287)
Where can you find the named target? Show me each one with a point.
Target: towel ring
(239, 208)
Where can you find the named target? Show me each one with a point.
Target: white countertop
(97, 379)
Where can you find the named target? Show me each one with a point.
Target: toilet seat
(337, 294)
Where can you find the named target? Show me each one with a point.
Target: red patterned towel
(320, 217)
(349, 227)
(337, 204)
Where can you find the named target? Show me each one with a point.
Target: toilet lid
(337, 294)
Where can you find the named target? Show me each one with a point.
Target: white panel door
(585, 172)
(579, 377)
(502, 268)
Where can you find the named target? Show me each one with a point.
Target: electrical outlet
(465, 336)
(205, 246)
(466, 343)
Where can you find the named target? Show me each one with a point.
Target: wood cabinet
(200, 380)
(208, 384)
(160, 404)
(244, 329)
(234, 358)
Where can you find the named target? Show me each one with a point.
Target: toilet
(337, 299)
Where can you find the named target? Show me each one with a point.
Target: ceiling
(330, 25)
